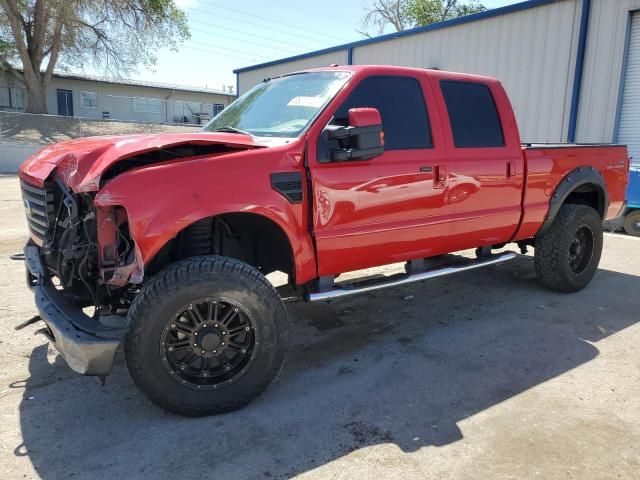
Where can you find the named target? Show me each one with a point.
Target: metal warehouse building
(571, 67)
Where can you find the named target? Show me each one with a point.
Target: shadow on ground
(383, 368)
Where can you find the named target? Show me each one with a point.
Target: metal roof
(140, 83)
(516, 7)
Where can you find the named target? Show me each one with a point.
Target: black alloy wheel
(581, 249)
(208, 343)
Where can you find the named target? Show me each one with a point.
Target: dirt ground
(483, 375)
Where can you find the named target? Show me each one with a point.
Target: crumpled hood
(81, 162)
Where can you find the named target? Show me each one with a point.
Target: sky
(227, 35)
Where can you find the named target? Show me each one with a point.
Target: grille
(40, 209)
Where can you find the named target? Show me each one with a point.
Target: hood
(82, 162)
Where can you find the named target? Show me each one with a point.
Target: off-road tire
(553, 249)
(632, 223)
(179, 284)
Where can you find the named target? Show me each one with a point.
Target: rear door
(485, 165)
(372, 212)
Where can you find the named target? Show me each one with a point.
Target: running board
(343, 290)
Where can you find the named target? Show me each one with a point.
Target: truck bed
(548, 164)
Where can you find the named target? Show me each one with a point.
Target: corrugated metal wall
(602, 69)
(629, 126)
(533, 52)
(248, 79)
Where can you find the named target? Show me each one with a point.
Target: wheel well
(251, 238)
(588, 194)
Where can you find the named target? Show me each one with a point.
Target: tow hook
(25, 324)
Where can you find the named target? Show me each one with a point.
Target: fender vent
(289, 185)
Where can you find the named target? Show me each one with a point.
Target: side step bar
(343, 290)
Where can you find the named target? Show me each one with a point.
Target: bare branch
(383, 13)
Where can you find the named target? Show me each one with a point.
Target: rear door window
(473, 114)
(401, 105)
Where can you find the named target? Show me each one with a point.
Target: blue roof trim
(577, 76)
(496, 12)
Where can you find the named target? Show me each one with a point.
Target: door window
(473, 114)
(401, 105)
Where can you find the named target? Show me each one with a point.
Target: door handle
(511, 169)
(440, 177)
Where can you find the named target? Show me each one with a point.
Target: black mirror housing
(360, 143)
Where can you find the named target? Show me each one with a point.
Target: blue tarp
(633, 189)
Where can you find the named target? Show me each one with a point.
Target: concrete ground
(483, 375)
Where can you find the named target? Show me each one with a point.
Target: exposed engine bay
(65, 225)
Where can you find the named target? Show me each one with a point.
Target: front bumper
(88, 346)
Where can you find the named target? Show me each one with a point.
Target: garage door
(629, 130)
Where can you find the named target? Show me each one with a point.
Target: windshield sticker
(315, 102)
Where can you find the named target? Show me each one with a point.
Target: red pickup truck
(169, 237)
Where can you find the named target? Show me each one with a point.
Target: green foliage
(404, 14)
(37, 36)
(426, 12)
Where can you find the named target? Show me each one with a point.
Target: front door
(372, 212)
(65, 102)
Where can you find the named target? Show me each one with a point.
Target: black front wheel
(203, 336)
(568, 253)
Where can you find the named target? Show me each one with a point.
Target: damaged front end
(79, 256)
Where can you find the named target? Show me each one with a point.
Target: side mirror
(363, 139)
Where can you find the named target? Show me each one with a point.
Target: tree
(426, 12)
(383, 13)
(38, 36)
(404, 14)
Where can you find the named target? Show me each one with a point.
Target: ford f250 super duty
(168, 237)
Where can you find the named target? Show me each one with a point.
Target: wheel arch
(582, 185)
(251, 237)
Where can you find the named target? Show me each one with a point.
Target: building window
(188, 112)
(188, 108)
(18, 97)
(12, 97)
(88, 99)
(473, 114)
(147, 105)
(5, 97)
(217, 108)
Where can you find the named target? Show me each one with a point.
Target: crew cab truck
(169, 236)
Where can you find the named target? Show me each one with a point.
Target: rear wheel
(203, 336)
(632, 223)
(568, 253)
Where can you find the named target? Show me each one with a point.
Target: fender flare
(570, 183)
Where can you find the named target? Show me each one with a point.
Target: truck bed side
(546, 166)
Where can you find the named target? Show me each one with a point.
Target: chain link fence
(25, 128)
(23, 134)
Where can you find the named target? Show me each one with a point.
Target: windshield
(282, 107)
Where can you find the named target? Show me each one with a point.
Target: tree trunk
(36, 96)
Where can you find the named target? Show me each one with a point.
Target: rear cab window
(475, 122)
(402, 107)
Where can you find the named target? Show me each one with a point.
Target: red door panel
(374, 212)
(483, 195)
